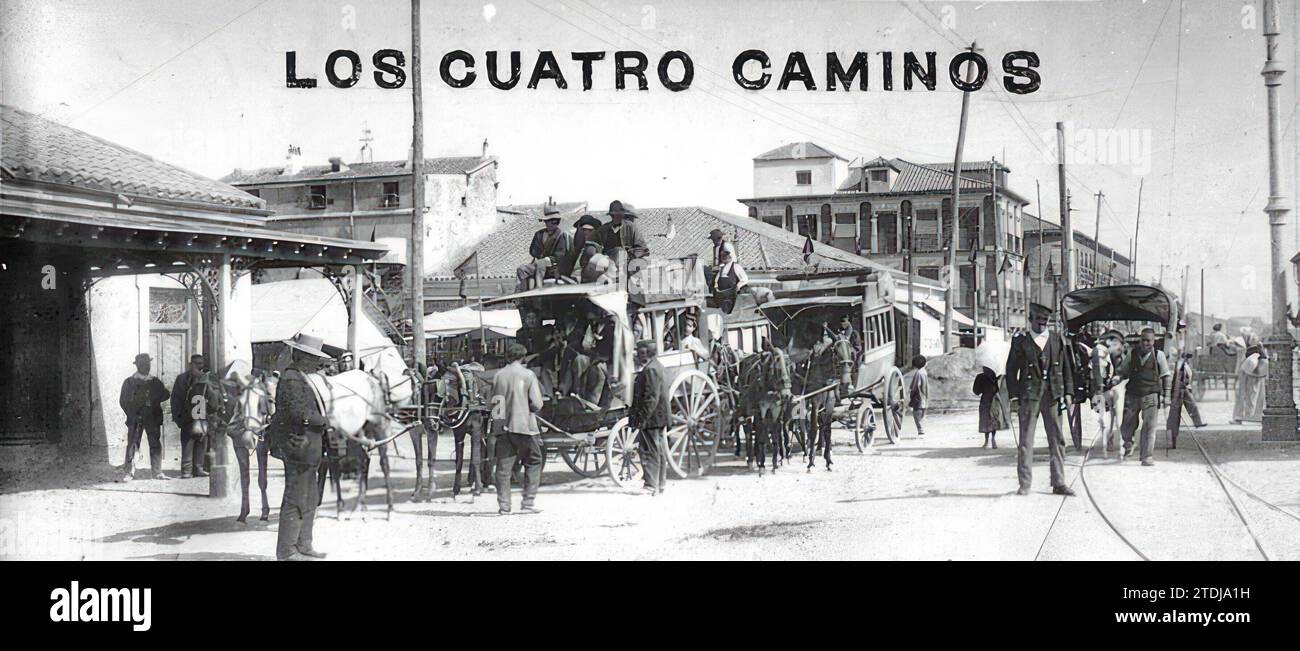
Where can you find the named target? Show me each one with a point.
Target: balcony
(391, 201)
(316, 202)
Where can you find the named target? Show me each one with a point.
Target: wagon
(595, 439)
(874, 382)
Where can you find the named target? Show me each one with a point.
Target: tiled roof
(914, 178)
(880, 161)
(36, 149)
(759, 246)
(798, 150)
(969, 166)
(446, 165)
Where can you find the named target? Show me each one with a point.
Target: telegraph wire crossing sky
(1151, 91)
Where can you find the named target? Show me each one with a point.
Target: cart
(874, 382)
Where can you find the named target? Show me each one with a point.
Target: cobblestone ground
(940, 496)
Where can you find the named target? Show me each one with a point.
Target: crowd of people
(1051, 378)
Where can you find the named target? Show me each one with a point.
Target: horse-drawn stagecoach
(591, 432)
(868, 379)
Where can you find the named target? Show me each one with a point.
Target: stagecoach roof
(673, 305)
(1118, 303)
(557, 291)
(812, 301)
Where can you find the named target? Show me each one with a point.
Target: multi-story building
(374, 201)
(368, 199)
(868, 207)
(1094, 264)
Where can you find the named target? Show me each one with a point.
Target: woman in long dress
(986, 387)
(1252, 368)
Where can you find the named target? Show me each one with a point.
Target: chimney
(293, 160)
(485, 148)
(336, 164)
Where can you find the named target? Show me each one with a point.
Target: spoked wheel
(588, 460)
(864, 429)
(894, 399)
(695, 408)
(622, 458)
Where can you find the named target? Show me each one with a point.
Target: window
(391, 197)
(803, 177)
(879, 176)
(969, 231)
(845, 235)
(316, 197)
(807, 224)
(927, 230)
(255, 192)
(773, 220)
(887, 229)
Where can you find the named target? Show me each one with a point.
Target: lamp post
(1279, 403)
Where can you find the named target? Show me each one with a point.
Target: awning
(809, 301)
(938, 309)
(312, 306)
(556, 291)
(463, 320)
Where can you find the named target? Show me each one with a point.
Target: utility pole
(416, 266)
(999, 239)
(949, 290)
(1038, 191)
(1067, 232)
(1137, 234)
(1096, 244)
(913, 346)
(1279, 404)
(1203, 309)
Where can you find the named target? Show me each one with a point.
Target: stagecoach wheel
(864, 430)
(586, 460)
(696, 419)
(893, 401)
(622, 458)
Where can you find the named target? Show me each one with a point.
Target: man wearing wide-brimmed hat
(141, 399)
(582, 232)
(619, 237)
(296, 436)
(1039, 371)
(550, 246)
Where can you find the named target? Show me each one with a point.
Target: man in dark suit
(1039, 377)
(619, 237)
(582, 231)
(192, 448)
(549, 248)
(296, 436)
(649, 414)
(141, 399)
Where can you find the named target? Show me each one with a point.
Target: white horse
(360, 406)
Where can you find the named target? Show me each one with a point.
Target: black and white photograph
(650, 280)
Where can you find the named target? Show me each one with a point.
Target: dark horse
(825, 370)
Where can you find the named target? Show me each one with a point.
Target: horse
(724, 365)
(250, 398)
(360, 407)
(824, 371)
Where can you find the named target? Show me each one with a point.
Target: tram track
(1222, 480)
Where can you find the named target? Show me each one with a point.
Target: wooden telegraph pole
(416, 262)
(1067, 233)
(1137, 231)
(949, 290)
(1096, 243)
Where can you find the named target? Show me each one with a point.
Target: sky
(202, 85)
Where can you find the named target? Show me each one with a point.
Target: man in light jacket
(516, 398)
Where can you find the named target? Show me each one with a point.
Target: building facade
(1094, 265)
(882, 204)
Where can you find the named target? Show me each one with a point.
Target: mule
(360, 406)
(251, 401)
